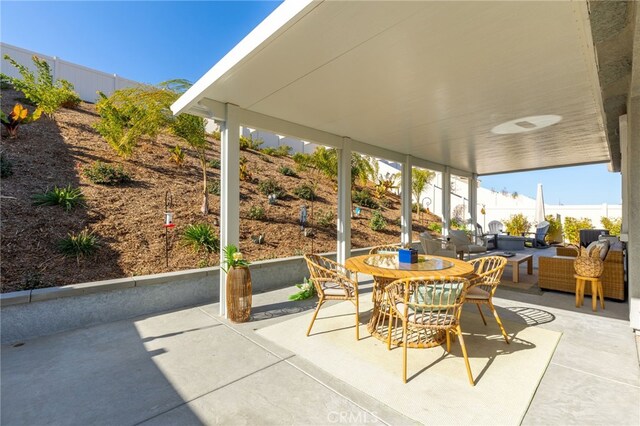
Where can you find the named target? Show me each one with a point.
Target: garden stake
(168, 223)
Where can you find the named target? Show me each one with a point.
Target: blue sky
(156, 41)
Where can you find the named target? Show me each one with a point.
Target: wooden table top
(460, 268)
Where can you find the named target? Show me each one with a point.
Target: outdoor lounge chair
(488, 271)
(486, 238)
(437, 246)
(538, 241)
(463, 244)
(332, 282)
(495, 227)
(427, 305)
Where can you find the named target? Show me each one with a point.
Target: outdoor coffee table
(516, 260)
(385, 269)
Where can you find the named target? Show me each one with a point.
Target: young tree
(192, 129)
(420, 178)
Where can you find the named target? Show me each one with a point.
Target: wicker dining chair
(427, 306)
(332, 282)
(487, 274)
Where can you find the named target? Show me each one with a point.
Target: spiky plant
(68, 198)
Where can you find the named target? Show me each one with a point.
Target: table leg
(530, 266)
(516, 272)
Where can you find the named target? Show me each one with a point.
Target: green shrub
(612, 225)
(377, 222)
(364, 199)
(250, 143)
(214, 187)
(385, 202)
(435, 227)
(214, 163)
(269, 151)
(105, 174)
(67, 197)
(257, 213)
(572, 227)
(41, 89)
(555, 228)
(128, 115)
(200, 236)
(305, 191)
(265, 159)
(287, 171)
(6, 166)
(456, 223)
(326, 219)
(283, 151)
(79, 245)
(176, 155)
(270, 186)
(517, 224)
(303, 161)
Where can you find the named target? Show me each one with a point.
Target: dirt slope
(128, 220)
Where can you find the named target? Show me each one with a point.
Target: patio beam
(229, 190)
(406, 176)
(344, 202)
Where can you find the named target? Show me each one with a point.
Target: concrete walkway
(191, 367)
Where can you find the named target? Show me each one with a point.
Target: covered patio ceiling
(429, 79)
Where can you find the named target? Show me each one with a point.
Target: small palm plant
(68, 198)
(232, 258)
(79, 244)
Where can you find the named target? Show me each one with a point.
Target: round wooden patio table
(385, 269)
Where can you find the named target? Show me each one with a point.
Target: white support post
(229, 191)
(344, 202)
(406, 194)
(446, 200)
(473, 201)
(632, 187)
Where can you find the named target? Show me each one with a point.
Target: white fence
(86, 81)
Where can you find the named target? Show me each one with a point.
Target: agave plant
(18, 116)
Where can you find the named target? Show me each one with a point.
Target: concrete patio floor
(192, 367)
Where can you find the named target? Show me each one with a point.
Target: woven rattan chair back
(488, 272)
(324, 271)
(387, 248)
(428, 303)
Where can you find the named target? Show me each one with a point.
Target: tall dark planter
(239, 294)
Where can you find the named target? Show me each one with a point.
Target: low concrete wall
(35, 313)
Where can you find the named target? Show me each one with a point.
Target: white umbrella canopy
(539, 205)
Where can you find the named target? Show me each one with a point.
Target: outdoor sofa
(556, 273)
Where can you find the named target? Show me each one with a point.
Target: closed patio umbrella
(539, 205)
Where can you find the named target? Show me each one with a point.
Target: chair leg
(357, 317)
(464, 354)
(390, 319)
(594, 296)
(577, 292)
(495, 314)
(481, 314)
(601, 293)
(404, 351)
(448, 341)
(315, 314)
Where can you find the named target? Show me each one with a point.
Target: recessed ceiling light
(526, 124)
